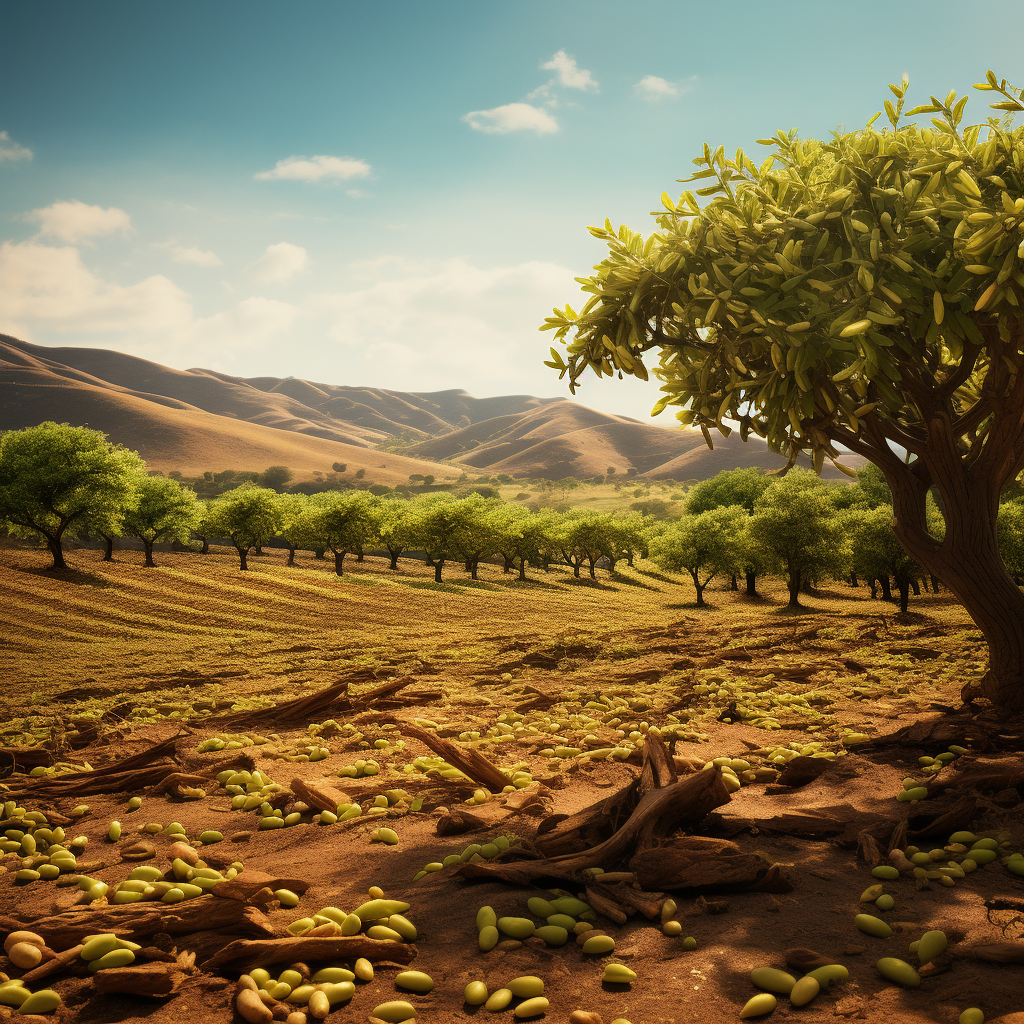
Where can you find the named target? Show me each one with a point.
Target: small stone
(241, 837)
(854, 950)
(1006, 798)
(506, 945)
(139, 851)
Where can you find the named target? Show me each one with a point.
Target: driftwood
(329, 701)
(159, 979)
(25, 758)
(640, 816)
(54, 964)
(695, 862)
(1006, 952)
(140, 920)
(263, 952)
(470, 762)
(320, 794)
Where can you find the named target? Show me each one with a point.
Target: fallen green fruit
(899, 971)
(759, 1005)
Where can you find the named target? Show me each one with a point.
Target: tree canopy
(863, 292)
(164, 511)
(57, 480)
(248, 515)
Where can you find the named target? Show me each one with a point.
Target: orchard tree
(342, 522)
(798, 534)
(247, 515)
(864, 292)
(61, 481)
(877, 554)
(730, 487)
(163, 511)
(583, 536)
(393, 526)
(703, 545)
(439, 526)
(631, 534)
(520, 536)
(480, 538)
(293, 523)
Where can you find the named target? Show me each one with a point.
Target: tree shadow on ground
(78, 577)
(533, 583)
(625, 581)
(656, 576)
(587, 582)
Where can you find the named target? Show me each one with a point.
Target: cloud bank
(316, 169)
(76, 221)
(512, 117)
(569, 75)
(281, 263)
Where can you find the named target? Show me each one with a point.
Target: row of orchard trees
(804, 530)
(60, 482)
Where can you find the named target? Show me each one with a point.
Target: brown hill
(196, 420)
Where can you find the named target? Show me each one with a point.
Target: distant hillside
(195, 420)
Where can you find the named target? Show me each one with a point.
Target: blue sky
(395, 193)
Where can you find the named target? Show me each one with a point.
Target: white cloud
(571, 76)
(76, 221)
(11, 150)
(281, 262)
(439, 324)
(512, 117)
(317, 168)
(651, 87)
(195, 256)
(47, 291)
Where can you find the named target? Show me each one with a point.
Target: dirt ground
(121, 657)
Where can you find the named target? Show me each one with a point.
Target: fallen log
(140, 920)
(244, 886)
(470, 762)
(953, 818)
(301, 949)
(320, 794)
(159, 980)
(52, 965)
(1006, 952)
(696, 862)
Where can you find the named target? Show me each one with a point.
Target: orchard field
(622, 678)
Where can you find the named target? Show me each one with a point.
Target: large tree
(60, 481)
(164, 511)
(863, 292)
(439, 524)
(343, 522)
(248, 516)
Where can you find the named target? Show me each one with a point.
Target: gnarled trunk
(339, 561)
(108, 550)
(793, 583)
(243, 557)
(148, 545)
(886, 588)
(438, 567)
(57, 551)
(394, 552)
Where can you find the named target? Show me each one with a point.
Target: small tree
(877, 554)
(247, 515)
(860, 293)
(730, 487)
(631, 535)
(520, 536)
(394, 527)
(703, 545)
(796, 531)
(61, 481)
(293, 523)
(163, 511)
(439, 525)
(583, 536)
(275, 477)
(341, 522)
(479, 538)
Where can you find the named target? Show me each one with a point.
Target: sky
(395, 194)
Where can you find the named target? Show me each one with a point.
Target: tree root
(293, 949)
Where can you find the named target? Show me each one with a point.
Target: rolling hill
(197, 420)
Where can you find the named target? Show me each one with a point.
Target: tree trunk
(108, 551)
(509, 563)
(468, 565)
(935, 584)
(291, 556)
(629, 559)
(258, 550)
(243, 557)
(967, 560)
(733, 582)
(915, 585)
(318, 553)
(874, 589)
(339, 559)
(359, 553)
(148, 545)
(576, 568)
(700, 590)
(853, 579)
(522, 568)
(904, 588)
(794, 588)
(592, 561)
(751, 584)
(438, 566)
(394, 556)
(886, 588)
(205, 549)
(472, 568)
(57, 551)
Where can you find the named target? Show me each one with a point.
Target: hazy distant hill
(194, 420)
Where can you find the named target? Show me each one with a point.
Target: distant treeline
(59, 482)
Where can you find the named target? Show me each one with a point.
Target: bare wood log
(320, 794)
(695, 862)
(152, 979)
(952, 819)
(86, 783)
(689, 799)
(1004, 903)
(1008, 952)
(647, 903)
(263, 952)
(139, 920)
(470, 762)
(794, 823)
(601, 899)
(52, 965)
(171, 783)
(26, 758)
(246, 885)
(562, 834)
